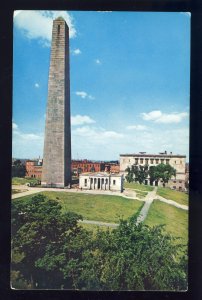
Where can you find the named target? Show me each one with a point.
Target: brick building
(34, 168)
(81, 166)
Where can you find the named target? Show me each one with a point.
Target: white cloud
(36, 85)
(76, 51)
(98, 62)
(152, 116)
(80, 120)
(26, 145)
(99, 135)
(158, 117)
(136, 127)
(38, 24)
(84, 95)
(91, 97)
(27, 136)
(15, 126)
(187, 13)
(156, 140)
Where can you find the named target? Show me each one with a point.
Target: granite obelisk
(56, 170)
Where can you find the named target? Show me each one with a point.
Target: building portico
(101, 181)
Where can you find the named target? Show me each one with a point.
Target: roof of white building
(100, 174)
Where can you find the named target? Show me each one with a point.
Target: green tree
(152, 174)
(137, 173)
(18, 169)
(130, 175)
(164, 172)
(38, 226)
(50, 250)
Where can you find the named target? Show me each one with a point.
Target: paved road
(34, 190)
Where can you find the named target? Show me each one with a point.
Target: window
(136, 161)
(174, 187)
(162, 161)
(85, 182)
(141, 160)
(180, 181)
(167, 161)
(114, 182)
(58, 29)
(146, 161)
(152, 161)
(174, 181)
(157, 161)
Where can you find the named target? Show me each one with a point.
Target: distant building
(34, 168)
(112, 167)
(101, 181)
(81, 166)
(178, 162)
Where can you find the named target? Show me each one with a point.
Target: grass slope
(104, 208)
(137, 186)
(179, 197)
(175, 219)
(22, 180)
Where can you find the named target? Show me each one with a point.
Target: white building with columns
(178, 162)
(101, 181)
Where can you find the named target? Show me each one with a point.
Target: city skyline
(129, 82)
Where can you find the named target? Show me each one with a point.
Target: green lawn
(179, 197)
(21, 181)
(175, 219)
(137, 186)
(105, 208)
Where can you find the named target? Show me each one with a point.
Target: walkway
(148, 201)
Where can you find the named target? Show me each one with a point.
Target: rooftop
(100, 174)
(161, 154)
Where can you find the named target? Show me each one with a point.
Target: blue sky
(130, 81)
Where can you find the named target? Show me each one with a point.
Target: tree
(152, 174)
(39, 226)
(18, 169)
(53, 251)
(137, 173)
(130, 175)
(164, 172)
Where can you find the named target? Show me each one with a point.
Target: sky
(129, 82)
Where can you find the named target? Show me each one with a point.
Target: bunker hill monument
(56, 170)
